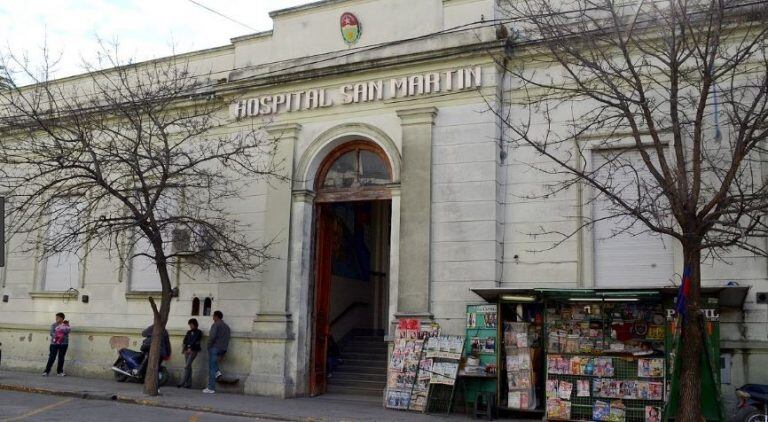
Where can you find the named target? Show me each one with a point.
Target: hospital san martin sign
(360, 92)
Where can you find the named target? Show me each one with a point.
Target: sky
(143, 29)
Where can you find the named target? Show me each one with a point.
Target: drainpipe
(503, 110)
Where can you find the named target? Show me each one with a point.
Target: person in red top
(59, 344)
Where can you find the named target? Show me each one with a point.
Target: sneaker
(45, 374)
(208, 391)
(218, 374)
(62, 374)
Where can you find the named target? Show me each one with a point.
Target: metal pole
(2, 231)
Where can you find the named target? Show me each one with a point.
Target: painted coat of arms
(350, 28)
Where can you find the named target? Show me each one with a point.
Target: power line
(223, 15)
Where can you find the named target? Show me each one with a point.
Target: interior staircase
(364, 367)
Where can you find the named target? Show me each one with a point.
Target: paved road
(29, 407)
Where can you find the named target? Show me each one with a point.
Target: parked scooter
(128, 366)
(753, 403)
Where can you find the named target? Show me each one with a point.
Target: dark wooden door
(322, 300)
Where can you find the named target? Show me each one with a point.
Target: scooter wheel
(756, 416)
(121, 377)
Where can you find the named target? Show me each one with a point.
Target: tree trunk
(689, 401)
(160, 320)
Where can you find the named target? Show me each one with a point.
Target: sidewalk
(323, 408)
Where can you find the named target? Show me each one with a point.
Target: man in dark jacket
(218, 341)
(191, 346)
(165, 346)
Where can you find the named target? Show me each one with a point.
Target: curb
(98, 395)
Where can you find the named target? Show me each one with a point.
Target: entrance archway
(352, 249)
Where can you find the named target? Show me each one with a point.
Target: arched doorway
(352, 233)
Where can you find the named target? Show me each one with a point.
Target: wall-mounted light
(517, 298)
(603, 299)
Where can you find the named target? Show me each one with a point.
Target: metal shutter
(626, 259)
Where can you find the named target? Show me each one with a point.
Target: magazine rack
(445, 354)
(605, 361)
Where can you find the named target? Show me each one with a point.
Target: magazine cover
(489, 346)
(618, 412)
(564, 390)
(471, 320)
(513, 363)
(558, 409)
(655, 391)
(650, 368)
(582, 388)
(444, 373)
(652, 414)
(551, 388)
(398, 399)
(601, 411)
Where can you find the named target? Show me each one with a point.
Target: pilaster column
(415, 212)
(272, 327)
(273, 316)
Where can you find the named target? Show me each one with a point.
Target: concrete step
(356, 383)
(380, 338)
(367, 362)
(375, 340)
(372, 346)
(355, 376)
(359, 369)
(342, 389)
(363, 356)
(369, 349)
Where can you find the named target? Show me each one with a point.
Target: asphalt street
(28, 407)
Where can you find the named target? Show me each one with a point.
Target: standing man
(191, 347)
(59, 344)
(218, 341)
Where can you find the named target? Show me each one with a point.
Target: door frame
(320, 315)
(321, 271)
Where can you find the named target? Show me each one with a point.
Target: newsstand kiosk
(583, 354)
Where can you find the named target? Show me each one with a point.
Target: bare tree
(5, 78)
(675, 94)
(136, 160)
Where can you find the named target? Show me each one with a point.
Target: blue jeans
(213, 366)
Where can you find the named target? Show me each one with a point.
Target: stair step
(357, 369)
(366, 349)
(364, 356)
(367, 342)
(357, 383)
(374, 340)
(355, 376)
(366, 362)
(340, 389)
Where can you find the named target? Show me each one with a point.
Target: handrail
(348, 309)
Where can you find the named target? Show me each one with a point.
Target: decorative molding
(394, 189)
(53, 295)
(273, 326)
(417, 116)
(283, 130)
(744, 345)
(136, 332)
(139, 294)
(303, 195)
